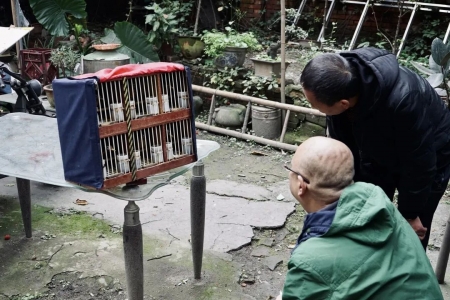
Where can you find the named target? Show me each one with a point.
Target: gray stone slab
(282, 188)
(260, 251)
(236, 189)
(166, 214)
(272, 262)
(267, 242)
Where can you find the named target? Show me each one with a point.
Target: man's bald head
(327, 164)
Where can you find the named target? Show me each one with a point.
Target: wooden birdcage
(144, 117)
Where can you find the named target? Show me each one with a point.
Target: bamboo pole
(197, 15)
(244, 136)
(283, 56)
(240, 97)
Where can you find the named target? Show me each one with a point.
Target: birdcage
(120, 125)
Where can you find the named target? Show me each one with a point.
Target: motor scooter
(27, 93)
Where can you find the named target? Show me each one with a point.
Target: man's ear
(344, 103)
(302, 186)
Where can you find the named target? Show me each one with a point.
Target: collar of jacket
(317, 224)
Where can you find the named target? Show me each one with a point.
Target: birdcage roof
(133, 70)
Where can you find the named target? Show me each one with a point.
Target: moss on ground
(47, 220)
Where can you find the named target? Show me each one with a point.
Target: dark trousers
(437, 191)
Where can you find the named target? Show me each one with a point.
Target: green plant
(224, 80)
(134, 42)
(65, 58)
(166, 20)
(58, 16)
(216, 42)
(265, 57)
(257, 86)
(439, 64)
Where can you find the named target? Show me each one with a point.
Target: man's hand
(417, 226)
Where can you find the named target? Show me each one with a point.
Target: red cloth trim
(133, 70)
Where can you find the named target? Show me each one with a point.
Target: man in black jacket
(396, 125)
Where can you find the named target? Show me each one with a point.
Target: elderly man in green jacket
(354, 243)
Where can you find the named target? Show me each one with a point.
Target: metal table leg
(132, 246)
(441, 265)
(23, 189)
(198, 202)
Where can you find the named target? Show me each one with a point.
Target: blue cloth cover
(75, 100)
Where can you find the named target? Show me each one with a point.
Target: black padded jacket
(399, 132)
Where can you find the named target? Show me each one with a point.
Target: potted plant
(266, 66)
(64, 59)
(439, 66)
(189, 41)
(165, 21)
(230, 47)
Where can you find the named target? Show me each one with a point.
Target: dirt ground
(239, 161)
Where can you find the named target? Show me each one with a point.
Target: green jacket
(369, 252)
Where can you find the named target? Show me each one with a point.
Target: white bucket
(166, 103)
(123, 163)
(137, 156)
(183, 99)
(152, 105)
(169, 150)
(186, 146)
(156, 154)
(116, 112)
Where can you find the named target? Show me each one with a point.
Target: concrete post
(133, 250)
(198, 203)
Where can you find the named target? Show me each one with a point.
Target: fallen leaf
(81, 202)
(257, 153)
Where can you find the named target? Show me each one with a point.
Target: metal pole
(358, 27)
(23, 189)
(283, 57)
(243, 136)
(405, 35)
(441, 265)
(299, 12)
(254, 100)
(133, 250)
(446, 34)
(327, 19)
(198, 203)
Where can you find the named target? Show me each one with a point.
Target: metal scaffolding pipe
(244, 136)
(294, 108)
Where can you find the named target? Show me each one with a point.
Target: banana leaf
(435, 80)
(423, 69)
(134, 42)
(440, 52)
(52, 14)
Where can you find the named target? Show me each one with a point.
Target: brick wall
(254, 8)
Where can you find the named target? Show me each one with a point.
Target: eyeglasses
(297, 173)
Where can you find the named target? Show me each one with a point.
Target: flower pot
(231, 57)
(191, 47)
(49, 93)
(265, 68)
